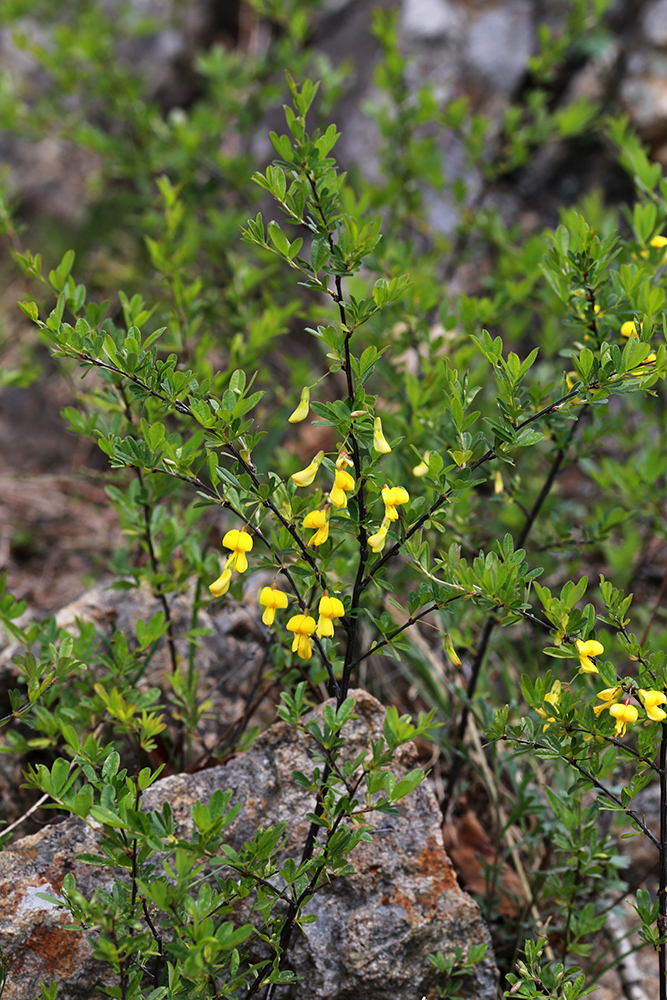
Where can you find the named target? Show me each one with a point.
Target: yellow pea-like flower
(657, 242)
(329, 609)
(272, 600)
(392, 496)
(239, 542)
(422, 469)
(303, 627)
(609, 697)
(220, 586)
(378, 540)
(625, 714)
(586, 650)
(343, 483)
(318, 519)
(628, 329)
(651, 700)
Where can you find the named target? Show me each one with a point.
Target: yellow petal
(307, 475)
(220, 586)
(332, 607)
(377, 540)
(325, 626)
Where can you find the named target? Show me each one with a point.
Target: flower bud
(452, 655)
(306, 476)
(380, 442)
(422, 469)
(302, 409)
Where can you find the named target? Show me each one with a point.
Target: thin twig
(31, 810)
(573, 762)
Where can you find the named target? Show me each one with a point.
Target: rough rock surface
(374, 929)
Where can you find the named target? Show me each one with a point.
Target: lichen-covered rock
(33, 935)
(374, 929)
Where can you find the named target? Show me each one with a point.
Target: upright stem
(662, 891)
(157, 591)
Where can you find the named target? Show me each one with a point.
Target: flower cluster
(343, 484)
(617, 702)
(303, 625)
(330, 609)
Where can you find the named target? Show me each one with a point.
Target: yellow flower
(318, 519)
(303, 627)
(306, 476)
(498, 484)
(423, 468)
(329, 608)
(239, 542)
(609, 697)
(657, 242)
(271, 599)
(586, 650)
(343, 482)
(392, 496)
(625, 714)
(650, 700)
(628, 329)
(343, 460)
(380, 442)
(302, 409)
(220, 586)
(377, 540)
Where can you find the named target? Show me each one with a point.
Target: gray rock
(654, 22)
(374, 928)
(32, 931)
(499, 43)
(229, 659)
(430, 20)
(644, 95)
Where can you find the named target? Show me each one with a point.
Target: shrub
(437, 496)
